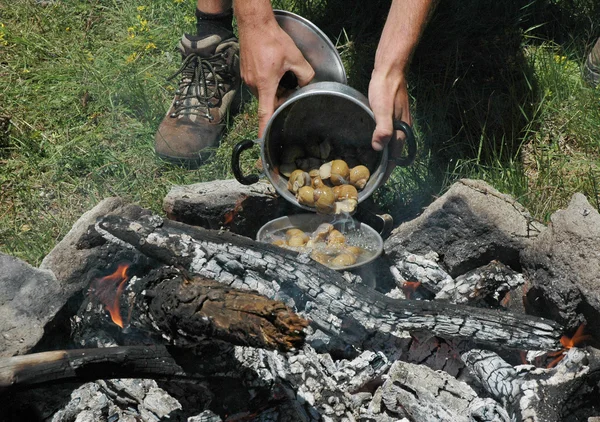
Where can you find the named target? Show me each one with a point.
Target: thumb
(266, 108)
(382, 134)
(303, 71)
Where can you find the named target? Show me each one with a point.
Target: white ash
(122, 399)
(425, 269)
(493, 279)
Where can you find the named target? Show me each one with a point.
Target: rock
(563, 266)
(75, 256)
(468, 227)
(225, 204)
(26, 304)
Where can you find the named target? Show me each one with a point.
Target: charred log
(189, 311)
(90, 364)
(564, 392)
(350, 312)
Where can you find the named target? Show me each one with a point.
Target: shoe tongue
(204, 45)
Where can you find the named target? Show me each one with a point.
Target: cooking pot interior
(345, 123)
(341, 120)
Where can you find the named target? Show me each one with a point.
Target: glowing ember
(108, 290)
(505, 300)
(410, 287)
(569, 343)
(230, 215)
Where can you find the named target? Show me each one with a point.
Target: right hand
(266, 53)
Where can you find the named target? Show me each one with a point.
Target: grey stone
(469, 226)
(27, 302)
(225, 204)
(75, 257)
(563, 266)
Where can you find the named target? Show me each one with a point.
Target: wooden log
(90, 364)
(419, 393)
(350, 312)
(187, 310)
(564, 392)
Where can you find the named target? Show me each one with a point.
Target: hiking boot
(591, 70)
(209, 87)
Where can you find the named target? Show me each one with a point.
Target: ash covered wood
(351, 312)
(538, 394)
(421, 394)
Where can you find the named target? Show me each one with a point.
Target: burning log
(190, 310)
(350, 312)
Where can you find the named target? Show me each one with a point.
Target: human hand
(388, 98)
(266, 54)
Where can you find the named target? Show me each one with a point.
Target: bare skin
(388, 91)
(267, 52)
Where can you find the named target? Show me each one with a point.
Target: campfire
(164, 320)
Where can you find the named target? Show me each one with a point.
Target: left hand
(388, 98)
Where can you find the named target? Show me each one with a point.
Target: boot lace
(201, 86)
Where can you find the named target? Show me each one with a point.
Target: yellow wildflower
(150, 46)
(131, 58)
(560, 59)
(141, 8)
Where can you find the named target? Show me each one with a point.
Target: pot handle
(235, 163)
(411, 144)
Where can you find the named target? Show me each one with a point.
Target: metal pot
(321, 110)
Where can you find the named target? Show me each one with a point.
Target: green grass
(83, 85)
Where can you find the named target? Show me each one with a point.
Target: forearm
(404, 25)
(252, 14)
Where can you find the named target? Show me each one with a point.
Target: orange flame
(569, 343)
(230, 215)
(410, 287)
(109, 296)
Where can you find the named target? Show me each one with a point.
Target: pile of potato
(330, 186)
(326, 245)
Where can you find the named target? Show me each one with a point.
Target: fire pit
(234, 329)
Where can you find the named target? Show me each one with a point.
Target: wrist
(253, 14)
(391, 73)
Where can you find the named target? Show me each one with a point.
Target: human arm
(388, 92)
(266, 53)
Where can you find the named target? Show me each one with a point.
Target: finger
(303, 71)
(266, 106)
